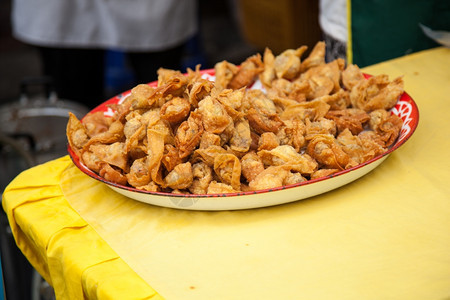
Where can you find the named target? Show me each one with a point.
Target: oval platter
(405, 108)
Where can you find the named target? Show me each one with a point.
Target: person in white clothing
(72, 36)
(333, 22)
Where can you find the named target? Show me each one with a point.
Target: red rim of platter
(405, 108)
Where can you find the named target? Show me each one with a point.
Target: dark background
(220, 38)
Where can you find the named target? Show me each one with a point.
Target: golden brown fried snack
(175, 110)
(271, 177)
(287, 156)
(214, 115)
(181, 177)
(287, 64)
(112, 174)
(315, 58)
(386, 125)
(188, 134)
(220, 188)
(191, 135)
(96, 123)
(359, 149)
(247, 73)
(312, 110)
(202, 176)
(225, 71)
(325, 149)
(376, 93)
(321, 126)
(268, 74)
(251, 165)
(353, 119)
(228, 168)
(139, 174)
(323, 173)
(76, 134)
(351, 76)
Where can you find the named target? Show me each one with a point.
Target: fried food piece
(371, 145)
(241, 139)
(312, 110)
(91, 161)
(175, 110)
(202, 176)
(325, 78)
(251, 165)
(386, 125)
(337, 101)
(158, 134)
(220, 188)
(319, 86)
(294, 178)
(76, 134)
(112, 135)
(112, 174)
(285, 93)
(325, 149)
(166, 75)
(292, 134)
(359, 150)
(171, 157)
(224, 71)
(228, 168)
(143, 96)
(262, 116)
(352, 145)
(268, 141)
(207, 155)
(133, 123)
(180, 177)
(209, 139)
(372, 136)
(135, 130)
(353, 119)
(268, 74)
(321, 126)
(139, 174)
(351, 76)
(286, 155)
(198, 90)
(247, 73)
(231, 101)
(287, 64)
(376, 93)
(112, 154)
(272, 177)
(96, 123)
(315, 58)
(188, 134)
(214, 116)
(171, 82)
(261, 123)
(323, 173)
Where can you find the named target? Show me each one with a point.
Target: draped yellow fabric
(384, 236)
(61, 246)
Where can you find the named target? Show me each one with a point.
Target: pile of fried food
(191, 135)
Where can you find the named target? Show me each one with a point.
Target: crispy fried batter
(188, 134)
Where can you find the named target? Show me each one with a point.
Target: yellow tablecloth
(384, 236)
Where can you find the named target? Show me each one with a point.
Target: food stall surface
(384, 236)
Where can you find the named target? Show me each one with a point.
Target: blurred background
(229, 30)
